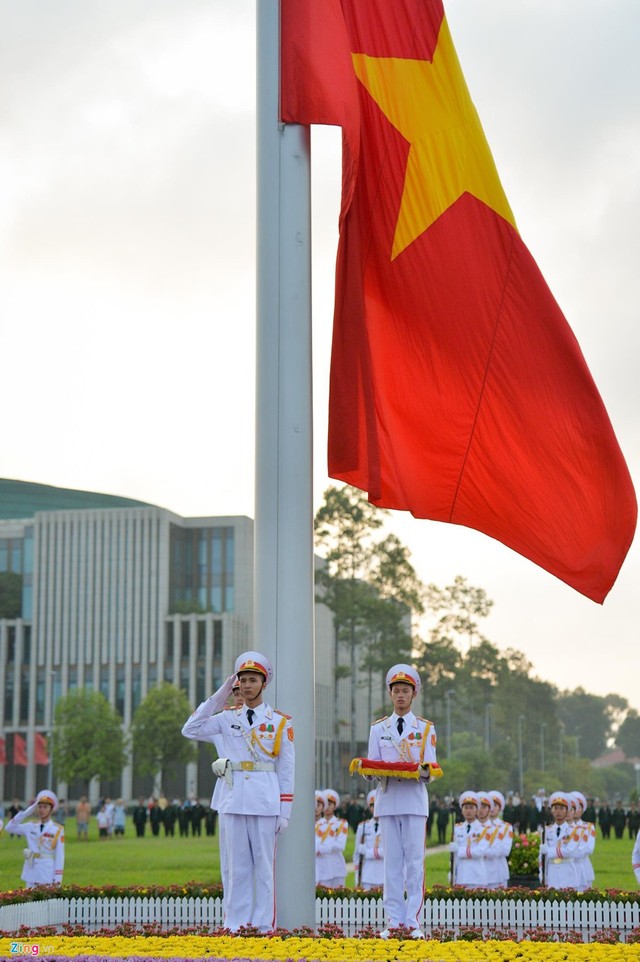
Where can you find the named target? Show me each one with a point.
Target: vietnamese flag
(41, 755)
(458, 390)
(19, 750)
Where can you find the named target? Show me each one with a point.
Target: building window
(8, 698)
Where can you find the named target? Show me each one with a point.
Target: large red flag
(41, 752)
(19, 750)
(458, 390)
(3, 752)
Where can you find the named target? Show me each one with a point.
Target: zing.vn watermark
(29, 948)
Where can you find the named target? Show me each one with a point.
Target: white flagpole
(284, 590)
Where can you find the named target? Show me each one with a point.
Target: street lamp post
(487, 726)
(448, 696)
(520, 759)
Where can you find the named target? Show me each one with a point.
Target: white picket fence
(350, 914)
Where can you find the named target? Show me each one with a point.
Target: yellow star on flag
(429, 104)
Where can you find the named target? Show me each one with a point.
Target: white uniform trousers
(250, 897)
(403, 838)
(224, 860)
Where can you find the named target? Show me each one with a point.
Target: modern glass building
(114, 595)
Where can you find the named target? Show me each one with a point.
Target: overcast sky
(127, 262)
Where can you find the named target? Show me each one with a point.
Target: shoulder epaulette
(276, 712)
(384, 718)
(420, 718)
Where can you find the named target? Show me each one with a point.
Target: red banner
(3, 752)
(41, 753)
(19, 750)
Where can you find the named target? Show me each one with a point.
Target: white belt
(252, 766)
(29, 855)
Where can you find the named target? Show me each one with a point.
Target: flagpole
(283, 572)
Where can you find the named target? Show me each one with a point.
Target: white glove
(31, 810)
(281, 824)
(219, 767)
(453, 846)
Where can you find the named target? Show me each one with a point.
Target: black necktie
(400, 725)
(250, 714)
(468, 827)
(41, 827)
(558, 832)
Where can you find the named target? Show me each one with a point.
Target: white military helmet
(560, 798)
(332, 796)
(46, 795)
(580, 799)
(371, 797)
(254, 661)
(469, 798)
(485, 798)
(321, 797)
(498, 798)
(403, 673)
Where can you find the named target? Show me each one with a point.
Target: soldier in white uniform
(236, 702)
(44, 854)
(558, 850)
(635, 858)
(501, 842)
(402, 804)
(369, 851)
(585, 833)
(470, 844)
(331, 840)
(257, 766)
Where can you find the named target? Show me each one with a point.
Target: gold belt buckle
(247, 766)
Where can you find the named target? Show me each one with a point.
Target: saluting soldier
(256, 742)
(44, 855)
(402, 804)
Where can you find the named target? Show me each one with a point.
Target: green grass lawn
(152, 860)
(173, 860)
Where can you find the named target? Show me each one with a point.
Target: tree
(156, 729)
(590, 718)
(462, 604)
(628, 735)
(88, 740)
(370, 587)
(10, 594)
(343, 526)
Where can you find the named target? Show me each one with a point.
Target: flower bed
(525, 851)
(183, 948)
(199, 891)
